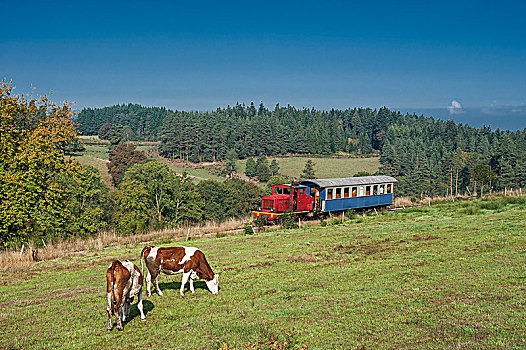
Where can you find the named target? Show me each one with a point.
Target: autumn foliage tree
(34, 133)
(121, 157)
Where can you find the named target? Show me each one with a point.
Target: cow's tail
(112, 272)
(141, 257)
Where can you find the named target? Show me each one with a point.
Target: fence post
(22, 250)
(187, 233)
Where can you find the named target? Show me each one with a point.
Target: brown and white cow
(189, 261)
(123, 282)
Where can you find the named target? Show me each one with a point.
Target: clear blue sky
(205, 54)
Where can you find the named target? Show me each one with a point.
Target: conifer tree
(250, 167)
(262, 169)
(274, 167)
(308, 171)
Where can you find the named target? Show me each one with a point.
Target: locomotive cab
(285, 199)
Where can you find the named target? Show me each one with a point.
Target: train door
(295, 198)
(317, 198)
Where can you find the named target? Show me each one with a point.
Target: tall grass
(13, 260)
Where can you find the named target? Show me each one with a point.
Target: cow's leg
(125, 309)
(192, 285)
(139, 305)
(156, 284)
(186, 275)
(109, 310)
(148, 283)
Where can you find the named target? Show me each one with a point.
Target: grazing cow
(123, 282)
(171, 260)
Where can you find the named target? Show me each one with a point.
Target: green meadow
(449, 275)
(324, 167)
(96, 153)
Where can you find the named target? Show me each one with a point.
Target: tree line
(45, 195)
(428, 156)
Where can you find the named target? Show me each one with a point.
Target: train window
(354, 191)
(367, 190)
(277, 190)
(346, 192)
(286, 190)
(338, 193)
(329, 193)
(381, 189)
(375, 190)
(389, 188)
(302, 191)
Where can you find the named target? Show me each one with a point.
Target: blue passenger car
(350, 192)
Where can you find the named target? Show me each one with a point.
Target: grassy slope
(97, 153)
(324, 167)
(433, 277)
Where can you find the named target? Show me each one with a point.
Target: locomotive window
(302, 191)
(367, 190)
(277, 190)
(375, 190)
(338, 193)
(346, 192)
(329, 193)
(354, 191)
(389, 188)
(286, 190)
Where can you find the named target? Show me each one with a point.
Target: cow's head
(213, 284)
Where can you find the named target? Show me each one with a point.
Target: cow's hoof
(143, 319)
(120, 329)
(161, 294)
(109, 329)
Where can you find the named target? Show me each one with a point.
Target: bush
(249, 229)
(288, 222)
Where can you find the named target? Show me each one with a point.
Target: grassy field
(97, 156)
(325, 168)
(444, 276)
(97, 153)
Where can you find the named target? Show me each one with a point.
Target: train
(323, 196)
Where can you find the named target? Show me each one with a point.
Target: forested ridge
(143, 122)
(428, 156)
(46, 196)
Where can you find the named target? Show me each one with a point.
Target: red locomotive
(286, 199)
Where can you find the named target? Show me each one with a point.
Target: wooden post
(299, 222)
(22, 250)
(45, 246)
(187, 233)
(343, 216)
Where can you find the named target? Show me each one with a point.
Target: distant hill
(145, 122)
(430, 157)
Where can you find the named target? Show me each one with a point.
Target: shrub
(288, 222)
(249, 229)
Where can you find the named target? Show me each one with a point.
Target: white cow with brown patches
(189, 261)
(123, 282)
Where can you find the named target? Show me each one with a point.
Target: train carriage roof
(349, 181)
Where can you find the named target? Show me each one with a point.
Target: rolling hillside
(444, 276)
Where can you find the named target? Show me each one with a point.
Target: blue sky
(406, 55)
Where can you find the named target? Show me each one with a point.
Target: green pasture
(324, 168)
(444, 276)
(96, 155)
